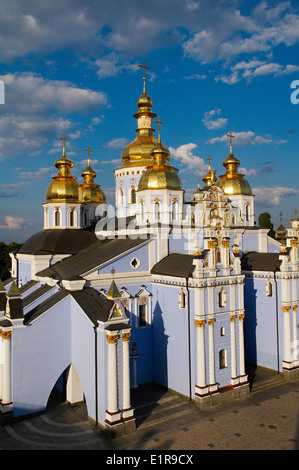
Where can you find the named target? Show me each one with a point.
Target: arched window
(221, 298)
(142, 209)
(133, 196)
(222, 359)
(247, 212)
(71, 218)
(182, 299)
(157, 211)
(192, 218)
(121, 196)
(142, 315)
(57, 218)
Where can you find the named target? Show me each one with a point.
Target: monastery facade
(157, 289)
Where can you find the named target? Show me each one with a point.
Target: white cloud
(34, 108)
(185, 155)
(273, 196)
(211, 123)
(13, 222)
(195, 76)
(36, 175)
(30, 93)
(246, 138)
(117, 143)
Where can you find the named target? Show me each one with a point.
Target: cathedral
(154, 289)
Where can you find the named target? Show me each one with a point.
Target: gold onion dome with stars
(137, 153)
(160, 175)
(233, 182)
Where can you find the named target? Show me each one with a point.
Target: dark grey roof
(94, 255)
(27, 286)
(58, 241)
(95, 306)
(44, 306)
(254, 261)
(42, 290)
(175, 264)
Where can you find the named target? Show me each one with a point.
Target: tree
(5, 261)
(265, 222)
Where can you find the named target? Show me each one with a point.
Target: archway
(67, 389)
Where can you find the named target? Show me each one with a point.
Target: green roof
(13, 291)
(113, 291)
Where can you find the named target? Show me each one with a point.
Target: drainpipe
(276, 315)
(189, 345)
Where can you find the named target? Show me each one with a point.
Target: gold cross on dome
(88, 150)
(230, 138)
(159, 122)
(209, 161)
(144, 67)
(64, 140)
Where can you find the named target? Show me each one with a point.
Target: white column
(112, 374)
(201, 368)
(127, 410)
(287, 336)
(295, 347)
(212, 384)
(233, 349)
(241, 346)
(6, 392)
(126, 370)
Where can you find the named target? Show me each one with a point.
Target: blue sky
(71, 66)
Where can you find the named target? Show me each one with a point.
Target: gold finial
(144, 67)
(88, 150)
(159, 122)
(63, 139)
(209, 162)
(230, 140)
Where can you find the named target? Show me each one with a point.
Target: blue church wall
(223, 375)
(170, 339)
(260, 324)
(24, 268)
(144, 362)
(82, 358)
(123, 264)
(37, 368)
(39, 300)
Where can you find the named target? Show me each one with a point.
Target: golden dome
(160, 175)
(137, 153)
(64, 187)
(89, 191)
(210, 178)
(233, 182)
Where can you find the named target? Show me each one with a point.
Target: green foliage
(5, 260)
(265, 222)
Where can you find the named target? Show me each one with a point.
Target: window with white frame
(57, 218)
(222, 359)
(143, 307)
(182, 299)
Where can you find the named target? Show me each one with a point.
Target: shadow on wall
(250, 322)
(160, 346)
